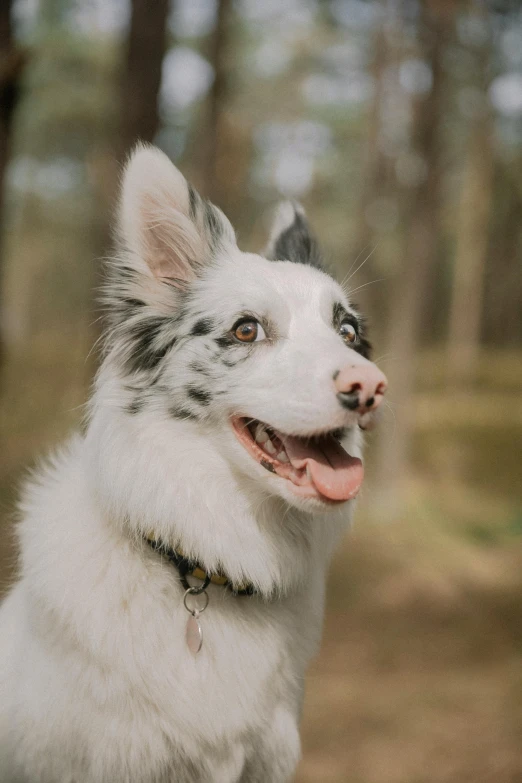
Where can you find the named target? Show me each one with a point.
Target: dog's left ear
(291, 238)
(169, 230)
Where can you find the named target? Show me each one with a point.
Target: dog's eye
(348, 332)
(248, 331)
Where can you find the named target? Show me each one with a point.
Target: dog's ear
(163, 221)
(291, 238)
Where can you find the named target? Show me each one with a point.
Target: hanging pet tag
(195, 601)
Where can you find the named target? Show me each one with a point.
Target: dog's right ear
(168, 229)
(291, 238)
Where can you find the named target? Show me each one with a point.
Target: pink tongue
(331, 471)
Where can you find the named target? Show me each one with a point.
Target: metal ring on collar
(195, 591)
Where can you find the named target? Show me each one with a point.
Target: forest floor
(419, 679)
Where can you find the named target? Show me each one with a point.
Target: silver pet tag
(194, 634)
(193, 631)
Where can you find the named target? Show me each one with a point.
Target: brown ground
(420, 677)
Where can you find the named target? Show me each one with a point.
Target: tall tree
(471, 253)
(218, 97)
(142, 72)
(227, 159)
(376, 166)
(137, 99)
(420, 249)
(473, 229)
(12, 60)
(502, 308)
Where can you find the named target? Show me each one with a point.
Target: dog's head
(262, 357)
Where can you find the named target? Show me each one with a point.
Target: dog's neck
(179, 485)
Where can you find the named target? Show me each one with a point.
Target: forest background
(398, 124)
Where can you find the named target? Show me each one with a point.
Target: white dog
(173, 557)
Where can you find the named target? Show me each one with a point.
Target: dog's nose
(360, 387)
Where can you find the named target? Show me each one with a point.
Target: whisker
(361, 265)
(394, 420)
(359, 254)
(351, 291)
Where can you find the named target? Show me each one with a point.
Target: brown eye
(248, 331)
(348, 332)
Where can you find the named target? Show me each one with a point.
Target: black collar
(188, 567)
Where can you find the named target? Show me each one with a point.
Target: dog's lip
(315, 467)
(241, 426)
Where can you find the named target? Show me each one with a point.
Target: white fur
(96, 682)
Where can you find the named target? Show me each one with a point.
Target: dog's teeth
(282, 457)
(269, 446)
(261, 434)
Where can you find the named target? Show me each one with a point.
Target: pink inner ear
(173, 246)
(165, 259)
(163, 268)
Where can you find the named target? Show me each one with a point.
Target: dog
(174, 554)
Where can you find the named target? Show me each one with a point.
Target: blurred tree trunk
(228, 138)
(470, 260)
(138, 97)
(420, 250)
(473, 230)
(225, 165)
(217, 100)
(12, 60)
(502, 309)
(375, 175)
(142, 74)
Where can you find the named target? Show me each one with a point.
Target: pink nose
(360, 387)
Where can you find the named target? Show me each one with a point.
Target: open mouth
(316, 466)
